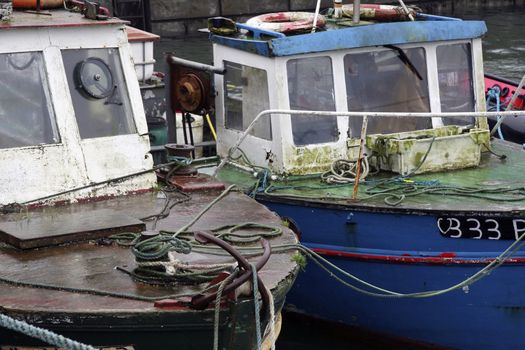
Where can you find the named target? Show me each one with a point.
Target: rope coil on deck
(156, 259)
(343, 171)
(393, 190)
(156, 256)
(169, 243)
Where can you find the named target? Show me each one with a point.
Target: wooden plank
(52, 228)
(199, 182)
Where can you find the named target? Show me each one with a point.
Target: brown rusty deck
(40, 229)
(91, 265)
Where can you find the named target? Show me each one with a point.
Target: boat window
(311, 87)
(455, 81)
(26, 114)
(393, 80)
(99, 92)
(245, 96)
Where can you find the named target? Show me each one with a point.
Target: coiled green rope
(152, 253)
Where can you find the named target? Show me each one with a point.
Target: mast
(357, 12)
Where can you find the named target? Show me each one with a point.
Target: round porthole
(95, 78)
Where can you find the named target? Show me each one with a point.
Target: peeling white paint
(33, 172)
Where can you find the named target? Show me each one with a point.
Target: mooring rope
(205, 209)
(45, 335)
(270, 328)
(332, 271)
(218, 298)
(255, 288)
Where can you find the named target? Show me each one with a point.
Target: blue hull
(406, 253)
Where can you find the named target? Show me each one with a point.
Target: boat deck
(494, 176)
(91, 265)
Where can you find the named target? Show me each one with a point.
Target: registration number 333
(481, 228)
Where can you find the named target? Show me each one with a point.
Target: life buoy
(286, 22)
(31, 4)
(380, 13)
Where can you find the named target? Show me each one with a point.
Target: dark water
(504, 55)
(504, 44)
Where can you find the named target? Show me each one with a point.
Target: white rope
(407, 11)
(344, 171)
(175, 264)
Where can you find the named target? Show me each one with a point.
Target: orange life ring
(31, 4)
(380, 12)
(286, 22)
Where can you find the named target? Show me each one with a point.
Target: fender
(31, 4)
(286, 22)
(380, 13)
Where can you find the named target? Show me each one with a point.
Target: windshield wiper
(404, 58)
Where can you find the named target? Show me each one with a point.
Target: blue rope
(180, 160)
(494, 93)
(262, 182)
(42, 334)
(255, 287)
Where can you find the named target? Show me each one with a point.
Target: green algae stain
(305, 160)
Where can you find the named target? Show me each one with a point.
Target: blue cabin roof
(433, 28)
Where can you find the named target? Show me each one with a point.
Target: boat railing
(365, 115)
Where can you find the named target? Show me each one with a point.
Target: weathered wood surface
(43, 229)
(196, 183)
(89, 265)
